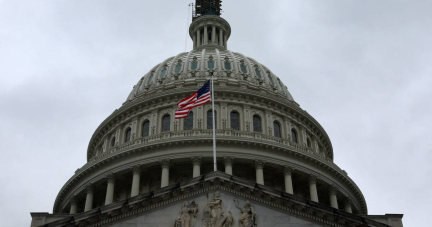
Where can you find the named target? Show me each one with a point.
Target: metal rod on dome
(213, 124)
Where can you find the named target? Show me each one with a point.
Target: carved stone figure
(247, 218)
(216, 209)
(187, 217)
(228, 221)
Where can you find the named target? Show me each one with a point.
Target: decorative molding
(312, 179)
(136, 169)
(110, 177)
(228, 160)
(196, 160)
(165, 163)
(287, 170)
(259, 164)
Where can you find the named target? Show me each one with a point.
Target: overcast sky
(362, 68)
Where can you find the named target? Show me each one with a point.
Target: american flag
(198, 98)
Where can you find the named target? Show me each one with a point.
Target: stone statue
(228, 221)
(188, 213)
(216, 209)
(213, 212)
(247, 218)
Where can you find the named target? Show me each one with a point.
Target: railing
(221, 133)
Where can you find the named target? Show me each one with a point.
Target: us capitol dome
(274, 160)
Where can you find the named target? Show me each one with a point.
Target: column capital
(165, 163)
(333, 189)
(196, 160)
(348, 202)
(287, 170)
(259, 164)
(110, 177)
(136, 169)
(74, 200)
(312, 179)
(89, 188)
(228, 160)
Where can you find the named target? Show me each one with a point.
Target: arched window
(227, 65)
(146, 129)
(277, 130)
(194, 65)
(211, 64)
(308, 142)
(257, 124)
(128, 135)
(210, 119)
(294, 135)
(113, 141)
(163, 73)
(188, 121)
(149, 81)
(258, 73)
(270, 79)
(235, 120)
(166, 123)
(281, 87)
(178, 68)
(243, 68)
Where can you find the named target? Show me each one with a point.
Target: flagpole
(214, 126)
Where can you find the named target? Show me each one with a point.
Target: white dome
(230, 69)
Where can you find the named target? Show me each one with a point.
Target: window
(277, 130)
(194, 65)
(188, 121)
(243, 68)
(281, 87)
(211, 64)
(166, 123)
(235, 120)
(271, 79)
(163, 73)
(210, 119)
(258, 73)
(257, 124)
(146, 129)
(113, 141)
(227, 65)
(294, 135)
(178, 68)
(308, 142)
(128, 135)
(150, 79)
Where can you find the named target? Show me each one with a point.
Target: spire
(207, 7)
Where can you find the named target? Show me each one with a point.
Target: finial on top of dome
(206, 7)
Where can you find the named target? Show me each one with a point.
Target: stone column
(136, 171)
(288, 180)
(198, 38)
(196, 162)
(221, 42)
(205, 35)
(213, 34)
(73, 202)
(110, 188)
(313, 188)
(333, 198)
(165, 164)
(89, 198)
(348, 205)
(228, 161)
(259, 166)
(225, 41)
(194, 41)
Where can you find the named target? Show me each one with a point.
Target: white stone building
(274, 160)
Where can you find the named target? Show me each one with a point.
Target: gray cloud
(361, 68)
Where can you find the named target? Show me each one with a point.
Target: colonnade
(196, 162)
(212, 29)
